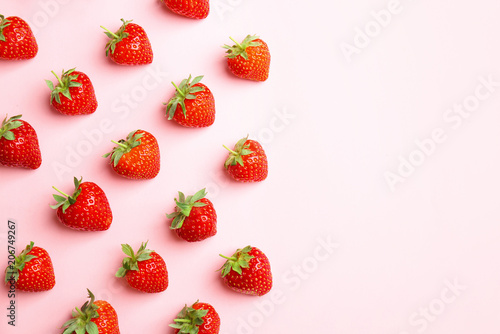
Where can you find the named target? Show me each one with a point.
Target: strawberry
(32, 270)
(194, 218)
(74, 93)
(250, 59)
(94, 317)
(248, 271)
(17, 41)
(145, 271)
(193, 104)
(130, 45)
(19, 144)
(137, 157)
(247, 162)
(200, 318)
(194, 9)
(86, 210)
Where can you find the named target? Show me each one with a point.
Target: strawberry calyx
(184, 207)
(81, 321)
(240, 49)
(235, 155)
(239, 260)
(64, 83)
(12, 271)
(10, 124)
(66, 200)
(189, 319)
(116, 37)
(3, 24)
(184, 91)
(131, 261)
(124, 146)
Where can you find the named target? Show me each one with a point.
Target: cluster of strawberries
(137, 156)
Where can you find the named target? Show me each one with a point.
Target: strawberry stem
(238, 44)
(112, 33)
(61, 192)
(58, 79)
(228, 258)
(79, 312)
(119, 144)
(178, 90)
(182, 320)
(230, 150)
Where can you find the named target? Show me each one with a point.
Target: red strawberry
(74, 93)
(194, 218)
(17, 41)
(32, 270)
(95, 316)
(193, 104)
(247, 162)
(86, 210)
(130, 45)
(195, 9)
(19, 144)
(250, 59)
(137, 157)
(200, 318)
(145, 271)
(248, 271)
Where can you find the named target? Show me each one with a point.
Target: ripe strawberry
(195, 9)
(194, 218)
(250, 59)
(94, 317)
(145, 271)
(193, 104)
(247, 162)
(32, 270)
(130, 45)
(17, 41)
(137, 157)
(248, 271)
(19, 144)
(74, 93)
(200, 318)
(86, 210)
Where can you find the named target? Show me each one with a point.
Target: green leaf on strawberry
(12, 271)
(81, 322)
(235, 155)
(124, 146)
(66, 200)
(64, 83)
(10, 124)
(3, 23)
(189, 319)
(240, 49)
(131, 262)
(116, 37)
(239, 260)
(184, 207)
(184, 91)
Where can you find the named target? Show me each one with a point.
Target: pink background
(419, 257)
